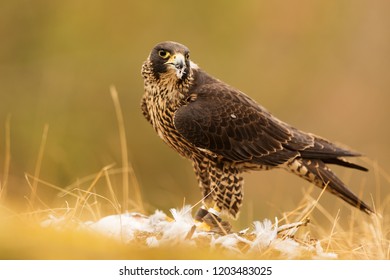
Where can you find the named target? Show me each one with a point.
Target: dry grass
(364, 237)
(95, 196)
(23, 237)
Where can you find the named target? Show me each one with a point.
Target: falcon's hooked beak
(178, 61)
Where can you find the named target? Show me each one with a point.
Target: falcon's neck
(165, 83)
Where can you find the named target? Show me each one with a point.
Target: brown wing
(227, 122)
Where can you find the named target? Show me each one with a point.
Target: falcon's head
(170, 60)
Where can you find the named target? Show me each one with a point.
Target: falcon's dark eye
(164, 54)
(187, 56)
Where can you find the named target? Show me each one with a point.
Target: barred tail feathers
(316, 172)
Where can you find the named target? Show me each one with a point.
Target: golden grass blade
(7, 158)
(332, 232)
(114, 199)
(38, 166)
(127, 168)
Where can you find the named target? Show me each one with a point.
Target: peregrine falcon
(224, 133)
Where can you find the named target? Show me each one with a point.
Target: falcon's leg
(221, 185)
(202, 169)
(228, 193)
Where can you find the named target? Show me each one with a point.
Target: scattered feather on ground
(160, 230)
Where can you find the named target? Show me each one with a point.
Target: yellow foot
(216, 224)
(209, 220)
(202, 226)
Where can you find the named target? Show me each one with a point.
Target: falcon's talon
(211, 218)
(216, 224)
(200, 214)
(226, 133)
(213, 223)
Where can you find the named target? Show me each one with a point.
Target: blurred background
(322, 66)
